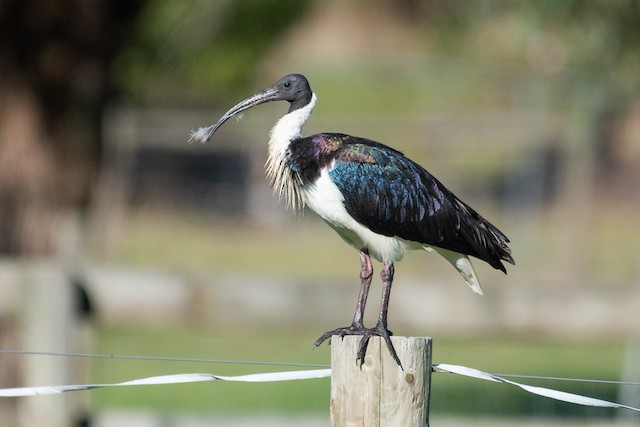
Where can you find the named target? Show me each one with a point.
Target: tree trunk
(29, 182)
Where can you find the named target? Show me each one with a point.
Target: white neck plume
(286, 130)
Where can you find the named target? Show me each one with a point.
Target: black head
(293, 88)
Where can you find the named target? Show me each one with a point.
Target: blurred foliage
(197, 48)
(548, 35)
(54, 85)
(200, 49)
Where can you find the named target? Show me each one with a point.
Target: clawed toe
(379, 330)
(341, 332)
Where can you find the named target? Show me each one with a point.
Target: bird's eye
(287, 84)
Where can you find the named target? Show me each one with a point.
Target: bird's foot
(379, 330)
(353, 329)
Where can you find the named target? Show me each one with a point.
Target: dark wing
(394, 196)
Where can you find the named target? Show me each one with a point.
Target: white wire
(583, 380)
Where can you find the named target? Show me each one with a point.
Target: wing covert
(394, 196)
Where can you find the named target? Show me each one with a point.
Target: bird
(378, 200)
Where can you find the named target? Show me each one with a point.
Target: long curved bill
(204, 134)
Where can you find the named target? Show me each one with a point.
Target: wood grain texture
(379, 393)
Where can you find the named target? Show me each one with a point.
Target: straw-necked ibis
(379, 201)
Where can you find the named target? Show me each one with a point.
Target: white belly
(325, 199)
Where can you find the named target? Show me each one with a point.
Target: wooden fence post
(48, 326)
(380, 393)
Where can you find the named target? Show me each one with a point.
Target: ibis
(378, 201)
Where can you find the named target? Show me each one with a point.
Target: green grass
(528, 356)
(219, 397)
(451, 395)
(191, 243)
(306, 248)
(424, 86)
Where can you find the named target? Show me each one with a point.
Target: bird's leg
(357, 326)
(366, 274)
(381, 328)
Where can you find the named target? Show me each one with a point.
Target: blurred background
(119, 237)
